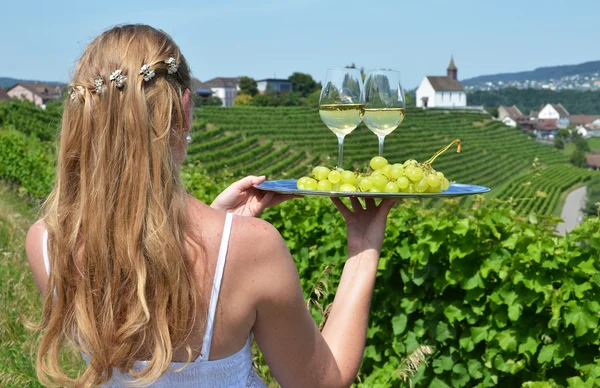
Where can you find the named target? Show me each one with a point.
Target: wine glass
(341, 104)
(385, 104)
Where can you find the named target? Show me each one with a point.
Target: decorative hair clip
(74, 90)
(147, 72)
(118, 78)
(172, 66)
(98, 82)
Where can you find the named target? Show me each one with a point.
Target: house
(555, 112)
(511, 115)
(593, 160)
(3, 95)
(442, 92)
(586, 125)
(226, 88)
(546, 128)
(278, 85)
(37, 92)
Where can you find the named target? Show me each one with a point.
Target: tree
(312, 99)
(581, 144)
(290, 99)
(363, 74)
(559, 143)
(578, 158)
(493, 111)
(210, 101)
(248, 86)
(563, 133)
(303, 83)
(242, 99)
(260, 100)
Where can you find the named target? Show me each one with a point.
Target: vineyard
(287, 142)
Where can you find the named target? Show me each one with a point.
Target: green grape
(373, 190)
(439, 174)
(433, 181)
(320, 172)
(397, 171)
(411, 188)
(334, 176)
(336, 187)
(403, 183)
(387, 170)
(311, 184)
(414, 174)
(301, 184)
(410, 162)
(391, 187)
(347, 188)
(348, 177)
(378, 162)
(377, 173)
(379, 181)
(324, 185)
(422, 186)
(365, 184)
(445, 184)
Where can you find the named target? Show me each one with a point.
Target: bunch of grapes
(383, 177)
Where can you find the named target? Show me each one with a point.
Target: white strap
(45, 252)
(214, 295)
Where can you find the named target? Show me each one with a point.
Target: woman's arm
(297, 353)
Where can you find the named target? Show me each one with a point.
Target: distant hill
(7, 82)
(539, 74)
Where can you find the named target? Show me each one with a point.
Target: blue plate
(288, 186)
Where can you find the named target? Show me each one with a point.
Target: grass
(594, 143)
(19, 297)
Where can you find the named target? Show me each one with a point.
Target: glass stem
(340, 151)
(381, 138)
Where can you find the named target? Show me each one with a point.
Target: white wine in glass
(341, 104)
(385, 105)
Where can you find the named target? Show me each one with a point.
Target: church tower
(452, 70)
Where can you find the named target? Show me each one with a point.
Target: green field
(485, 284)
(286, 142)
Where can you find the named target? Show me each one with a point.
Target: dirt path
(571, 212)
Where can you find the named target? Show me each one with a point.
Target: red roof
(593, 160)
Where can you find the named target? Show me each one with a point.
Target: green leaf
(507, 340)
(460, 376)
(533, 218)
(514, 311)
(466, 343)
(443, 332)
(547, 353)
(453, 313)
(461, 227)
(474, 368)
(442, 364)
(437, 383)
(580, 319)
(473, 282)
(399, 323)
(529, 346)
(479, 334)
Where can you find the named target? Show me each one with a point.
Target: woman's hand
(243, 199)
(365, 227)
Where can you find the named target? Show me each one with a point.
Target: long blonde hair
(116, 216)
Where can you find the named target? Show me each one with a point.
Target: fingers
(341, 207)
(370, 202)
(387, 204)
(356, 206)
(266, 199)
(279, 198)
(249, 181)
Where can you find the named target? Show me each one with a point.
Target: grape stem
(456, 141)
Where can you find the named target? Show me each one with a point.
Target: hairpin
(98, 82)
(118, 78)
(172, 66)
(75, 89)
(147, 72)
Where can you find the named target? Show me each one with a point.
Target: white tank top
(233, 371)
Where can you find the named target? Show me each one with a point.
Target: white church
(442, 92)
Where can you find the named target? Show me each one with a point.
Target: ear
(187, 108)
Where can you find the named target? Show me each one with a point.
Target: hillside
(539, 74)
(7, 82)
(286, 142)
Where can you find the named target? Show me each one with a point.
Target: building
(593, 160)
(555, 112)
(546, 128)
(278, 85)
(37, 92)
(3, 95)
(511, 115)
(442, 92)
(226, 88)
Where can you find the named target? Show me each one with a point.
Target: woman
(155, 287)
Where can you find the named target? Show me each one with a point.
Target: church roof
(445, 84)
(452, 66)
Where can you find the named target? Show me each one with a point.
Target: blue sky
(43, 39)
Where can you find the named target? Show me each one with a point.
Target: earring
(188, 138)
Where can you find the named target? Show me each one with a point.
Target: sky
(42, 40)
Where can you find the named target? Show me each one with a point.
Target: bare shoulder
(35, 255)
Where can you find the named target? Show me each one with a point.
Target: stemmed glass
(341, 104)
(385, 105)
